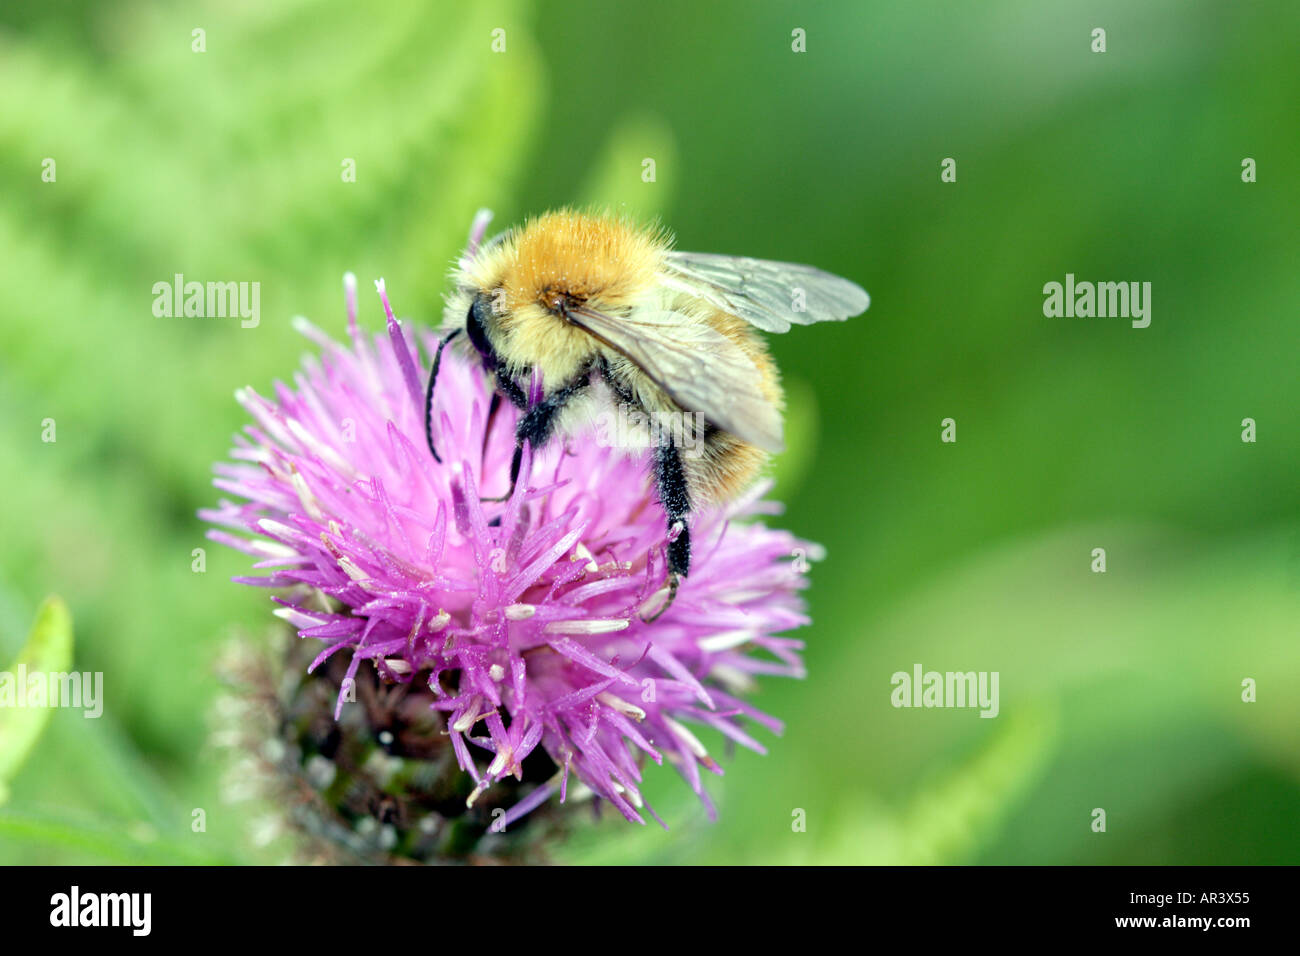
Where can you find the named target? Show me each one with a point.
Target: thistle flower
(518, 621)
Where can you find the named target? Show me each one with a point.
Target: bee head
(564, 260)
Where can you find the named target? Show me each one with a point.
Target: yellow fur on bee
(730, 465)
(583, 256)
(615, 265)
(595, 257)
(727, 467)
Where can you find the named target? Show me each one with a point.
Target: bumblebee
(591, 299)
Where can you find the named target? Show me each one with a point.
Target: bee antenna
(428, 393)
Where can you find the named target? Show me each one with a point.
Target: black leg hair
(676, 499)
(537, 423)
(508, 387)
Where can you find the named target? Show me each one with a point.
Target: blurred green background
(1119, 691)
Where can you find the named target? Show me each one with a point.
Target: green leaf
(48, 650)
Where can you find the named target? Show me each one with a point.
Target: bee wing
(761, 292)
(696, 366)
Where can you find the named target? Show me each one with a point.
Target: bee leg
(493, 407)
(537, 423)
(516, 462)
(508, 387)
(428, 394)
(676, 499)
